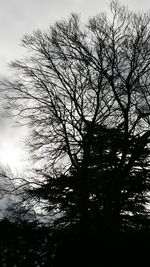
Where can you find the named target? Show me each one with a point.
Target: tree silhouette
(80, 78)
(64, 191)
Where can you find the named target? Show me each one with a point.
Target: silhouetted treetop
(84, 92)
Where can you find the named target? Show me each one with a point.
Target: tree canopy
(84, 91)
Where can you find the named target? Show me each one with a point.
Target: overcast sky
(19, 17)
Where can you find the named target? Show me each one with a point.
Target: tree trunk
(107, 212)
(84, 198)
(116, 203)
(111, 206)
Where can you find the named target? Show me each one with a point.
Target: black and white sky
(19, 17)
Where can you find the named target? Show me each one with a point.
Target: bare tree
(79, 75)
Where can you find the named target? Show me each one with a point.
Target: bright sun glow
(12, 148)
(11, 155)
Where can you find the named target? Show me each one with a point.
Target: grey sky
(19, 17)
